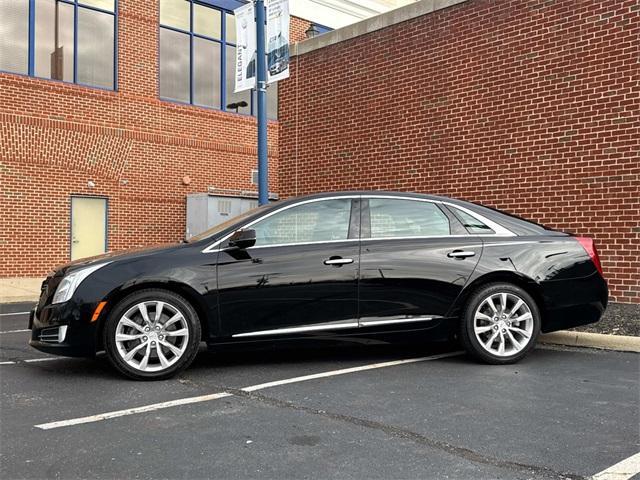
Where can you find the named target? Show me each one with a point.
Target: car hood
(121, 255)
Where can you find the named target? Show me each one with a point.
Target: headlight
(70, 282)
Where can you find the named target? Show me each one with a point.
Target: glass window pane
(311, 222)
(206, 71)
(54, 40)
(230, 28)
(103, 4)
(207, 21)
(95, 48)
(472, 224)
(14, 36)
(230, 84)
(406, 218)
(174, 65)
(175, 13)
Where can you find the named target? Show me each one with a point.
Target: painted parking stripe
(623, 470)
(16, 331)
(13, 313)
(215, 396)
(132, 411)
(7, 363)
(344, 371)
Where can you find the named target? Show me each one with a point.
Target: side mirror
(243, 239)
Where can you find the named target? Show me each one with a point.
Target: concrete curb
(622, 343)
(18, 299)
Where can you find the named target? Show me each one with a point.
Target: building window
(197, 57)
(14, 36)
(68, 40)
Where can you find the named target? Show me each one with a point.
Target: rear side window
(471, 223)
(406, 218)
(310, 222)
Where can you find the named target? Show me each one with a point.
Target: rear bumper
(575, 302)
(60, 330)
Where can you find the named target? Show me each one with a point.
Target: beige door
(88, 226)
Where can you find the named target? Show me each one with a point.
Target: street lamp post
(261, 88)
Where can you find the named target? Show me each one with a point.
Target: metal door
(88, 226)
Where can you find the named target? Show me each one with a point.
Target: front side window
(321, 221)
(197, 58)
(71, 40)
(406, 218)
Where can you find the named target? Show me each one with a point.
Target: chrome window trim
(502, 244)
(499, 230)
(302, 243)
(421, 237)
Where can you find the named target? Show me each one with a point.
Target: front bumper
(62, 329)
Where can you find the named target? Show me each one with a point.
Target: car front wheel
(500, 324)
(152, 335)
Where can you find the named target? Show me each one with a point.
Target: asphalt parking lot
(368, 412)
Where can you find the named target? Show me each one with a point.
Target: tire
(507, 339)
(158, 349)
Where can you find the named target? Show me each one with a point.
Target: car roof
(390, 193)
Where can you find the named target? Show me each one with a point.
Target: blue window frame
(68, 40)
(197, 56)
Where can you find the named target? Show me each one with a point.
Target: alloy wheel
(503, 324)
(151, 336)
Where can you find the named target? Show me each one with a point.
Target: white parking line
(344, 371)
(132, 411)
(15, 331)
(7, 363)
(623, 470)
(214, 396)
(14, 313)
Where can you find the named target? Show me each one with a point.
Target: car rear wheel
(152, 335)
(500, 324)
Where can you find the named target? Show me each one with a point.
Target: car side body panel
(270, 288)
(413, 277)
(554, 268)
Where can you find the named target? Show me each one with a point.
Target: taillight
(590, 247)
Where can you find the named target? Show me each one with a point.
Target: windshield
(224, 225)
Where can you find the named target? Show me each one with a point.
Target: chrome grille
(53, 334)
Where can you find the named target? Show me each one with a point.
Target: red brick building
(137, 139)
(531, 106)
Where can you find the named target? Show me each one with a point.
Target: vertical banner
(246, 47)
(277, 40)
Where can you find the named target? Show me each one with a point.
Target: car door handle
(460, 254)
(337, 261)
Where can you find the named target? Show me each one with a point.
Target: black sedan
(341, 266)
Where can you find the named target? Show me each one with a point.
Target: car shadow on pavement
(228, 358)
(316, 354)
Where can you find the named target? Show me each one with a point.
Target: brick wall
(136, 149)
(530, 106)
